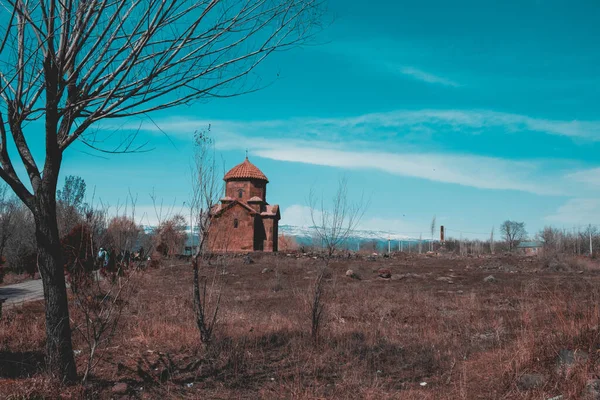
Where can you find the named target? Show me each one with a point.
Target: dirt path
(22, 292)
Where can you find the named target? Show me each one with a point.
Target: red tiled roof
(245, 170)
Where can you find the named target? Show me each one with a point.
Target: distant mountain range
(378, 239)
(305, 236)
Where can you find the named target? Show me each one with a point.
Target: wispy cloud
(466, 170)
(462, 169)
(398, 123)
(353, 142)
(423, 76)
(578, 211)
(589, 177)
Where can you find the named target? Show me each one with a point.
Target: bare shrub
(69, 204)
(9, 207)
(207, 300)
(122, 234)
(169, 237)
(78, 256)
(206, 188)
(318, 305)
(20, 249)
(101, 304)
(287, 243)
(333, 226)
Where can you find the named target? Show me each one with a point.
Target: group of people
(106, 261)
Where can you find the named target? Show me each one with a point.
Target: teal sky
(473, 111)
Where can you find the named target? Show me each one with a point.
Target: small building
(244, 221)
(530, 248)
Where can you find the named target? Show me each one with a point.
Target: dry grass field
(437, 329)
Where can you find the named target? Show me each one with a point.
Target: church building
(244, 221)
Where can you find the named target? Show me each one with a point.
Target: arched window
(235, 223)
(240, 193)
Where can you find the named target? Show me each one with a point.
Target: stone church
(244, 221)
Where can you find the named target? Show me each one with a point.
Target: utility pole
(591, 246)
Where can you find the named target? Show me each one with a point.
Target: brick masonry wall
(249, 189)
(224, 236)
(268, 223)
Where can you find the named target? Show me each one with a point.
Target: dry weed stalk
(318, 306)
(204, 301)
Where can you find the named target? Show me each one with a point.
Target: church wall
(271, 233)
(224, 236)
(249, 188)
(275, 235)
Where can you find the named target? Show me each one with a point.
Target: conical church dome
(245, 170)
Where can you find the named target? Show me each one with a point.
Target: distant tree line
(120, 233)
(582, 240)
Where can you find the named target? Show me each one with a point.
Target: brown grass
(380, 338)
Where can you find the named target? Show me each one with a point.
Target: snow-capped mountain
(309, 232)
(304, 235)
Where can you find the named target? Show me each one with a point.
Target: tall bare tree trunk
(59, 348)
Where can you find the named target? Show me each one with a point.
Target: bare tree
(20, 248)
(73, 63)
(8, 218)
(492, 241)
(122, 233)
(432, 233)
(70, 204)
(513, 232)
(170, 236)
(206, 189)
(333, 226)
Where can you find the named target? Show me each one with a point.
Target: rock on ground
(120, 388)
(532, 381)
(592, 389)
(568, 359)
(385, 273)
(490, 279)
(351, 274)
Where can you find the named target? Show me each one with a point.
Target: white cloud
(347, 142)
(578, 211)
(298, 215)
(366, 125)
(423, 76)
(589, 177)
(466, 170)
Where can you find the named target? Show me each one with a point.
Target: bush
(78, 255)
